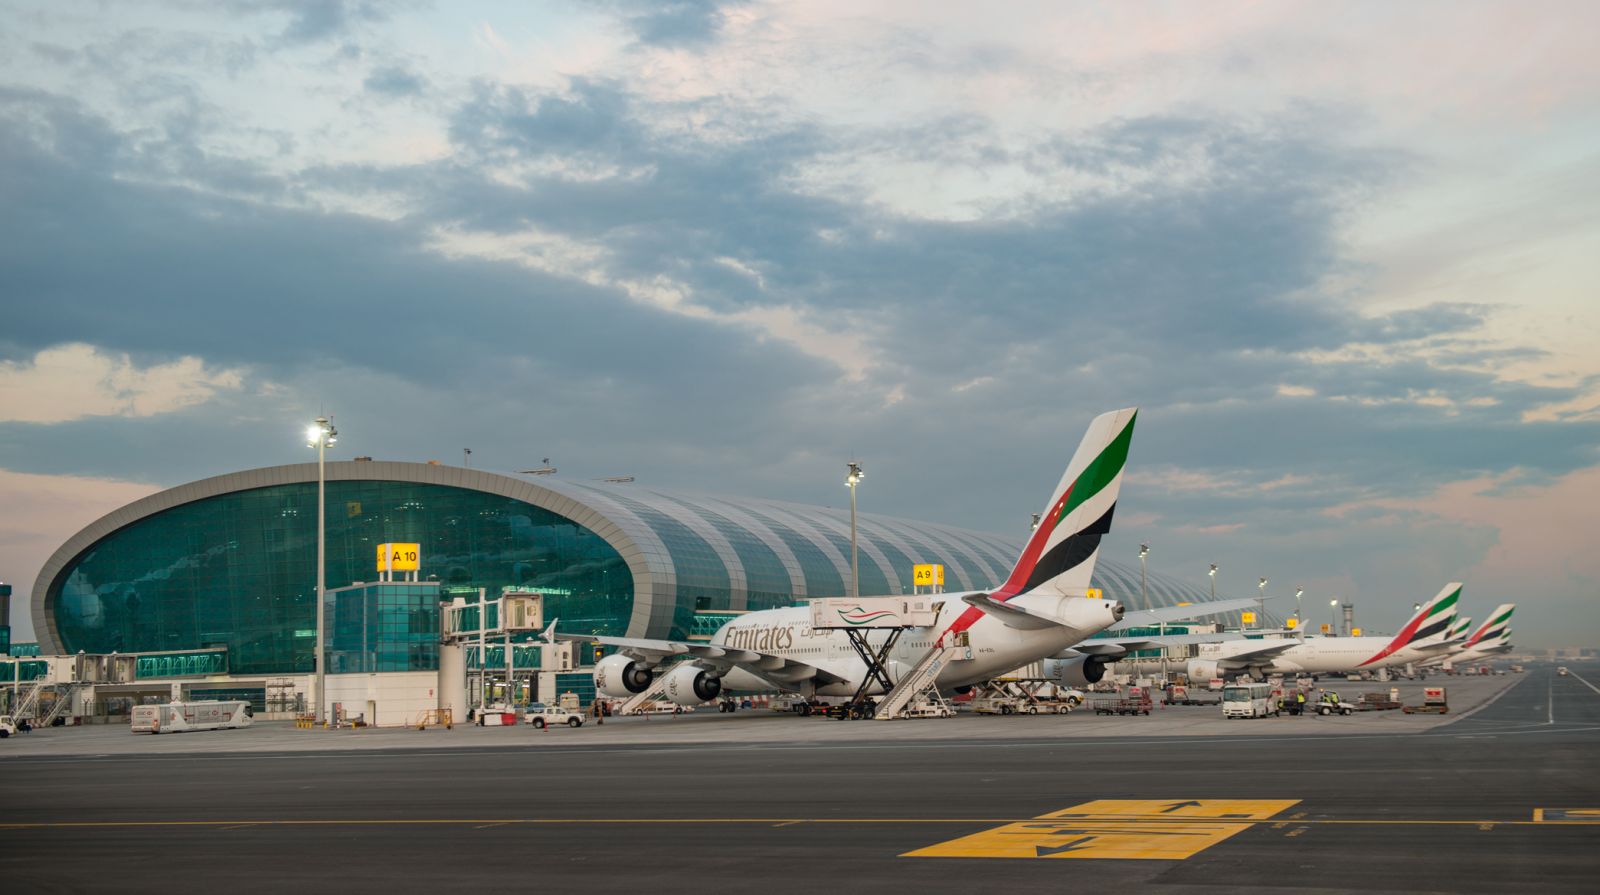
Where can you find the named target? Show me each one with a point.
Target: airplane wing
(1246, 659)
(781, 672)
(1115, 648)
(1144, 618)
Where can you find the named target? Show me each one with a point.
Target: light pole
(320, 435)
(1299, 619)
(852, 479)
(1261, 602)
(1144, 590)
(1333, 612)
(1213, 574)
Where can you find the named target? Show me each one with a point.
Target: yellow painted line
(771, 821)
(1126, 829)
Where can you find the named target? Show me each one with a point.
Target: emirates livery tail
(1061, 553)
(1496, 629)
(1458, 631)
(1431, 624)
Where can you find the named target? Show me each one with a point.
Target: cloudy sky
(1341, 255)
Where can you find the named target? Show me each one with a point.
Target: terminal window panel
(239, 570)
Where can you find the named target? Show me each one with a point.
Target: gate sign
(1327, 628)
(927, 575)
(399, 557)
(1248, 617)
(1355, 632)
(1292, 623)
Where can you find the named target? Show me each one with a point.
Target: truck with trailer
(181, 717)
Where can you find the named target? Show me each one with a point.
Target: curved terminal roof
(774, 550)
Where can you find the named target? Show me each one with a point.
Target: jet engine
(690, 685)
(1077, 671)
(620, 676)
(1203, 669)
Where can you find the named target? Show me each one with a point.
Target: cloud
(395, 81)
(41, 513)
(673, 23)
(74, 381)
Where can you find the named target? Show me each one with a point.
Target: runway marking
(1581, 680)
(1130, 829)
(1567, 815)
(1574, 819)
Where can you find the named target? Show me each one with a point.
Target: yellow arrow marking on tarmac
(1557, 815)
(1142, 829)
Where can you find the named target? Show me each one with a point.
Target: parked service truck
(179, 717)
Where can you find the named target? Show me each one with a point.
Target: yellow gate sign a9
(399, 557)
(927, 575)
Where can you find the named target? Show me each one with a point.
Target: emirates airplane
(1423, 637)
(1043, 607)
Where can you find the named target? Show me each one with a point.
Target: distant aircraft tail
(1431, 623)
(1497, 628)
(1060, 554)
(1458, 631)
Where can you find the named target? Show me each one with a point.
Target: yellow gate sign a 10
(927, 575)
(399, 557)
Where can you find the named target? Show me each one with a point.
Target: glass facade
(193, 664)
(239, 569)
(383, 627)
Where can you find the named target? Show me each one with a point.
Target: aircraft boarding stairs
(29, 701)
(61, 705)
(656, 690)
(919, 680)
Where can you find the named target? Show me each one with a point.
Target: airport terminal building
(225, 568)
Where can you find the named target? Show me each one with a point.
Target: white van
(1243, 700)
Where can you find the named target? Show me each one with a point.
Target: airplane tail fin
(1431, 623)
(1458, 631)
(1498, 627)
(1061, 552)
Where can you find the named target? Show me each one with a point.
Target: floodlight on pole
(320, 435)
(1213, 574)
(1261, 601)
(855, 476)
(1333, 613)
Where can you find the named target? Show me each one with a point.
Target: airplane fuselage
(992, 648)
(1326, 655)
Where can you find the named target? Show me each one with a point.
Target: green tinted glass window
(239, 570)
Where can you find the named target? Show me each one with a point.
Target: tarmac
(1499, 795)
(1467, 694)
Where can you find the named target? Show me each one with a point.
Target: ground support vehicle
(179, 717)
(7, 726)
(1132, 704)
(552, 715)
(1377, 701)
(1249, 701)
(1180, 694)
(1336, 706)
(1562, 671)
(996, 705)
(1434, 702)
